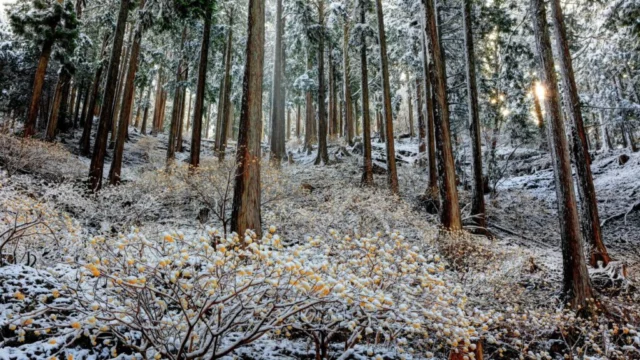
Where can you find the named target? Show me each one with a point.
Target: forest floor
(517, 273)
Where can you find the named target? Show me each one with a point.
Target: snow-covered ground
(505, 291)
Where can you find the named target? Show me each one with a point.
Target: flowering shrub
(181, 297)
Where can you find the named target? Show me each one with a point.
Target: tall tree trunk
(367, 174)
(309, 115)
(606, 139)
(577, 287)
(127, 103)
(288, 132)
(410, 105)
(145, 115)
(196, 133)
(138, 115)
(449, 206)
(38, 84)
(118, 99)
(246, 193)
(477, 198)
(298, 120)
(208, 122)
(163, 108)
(218, 128)
(539, 116)
(380, 125)
(85, 104)
(106, 114)
(78, 101)
(52, 124)
(182, 107)
(627, 138)
(332, 98)
(323, 154)
(157, 104)
(429, 110)
(71, 113)
(422, 127)
(277, 111)
(225, 117)
(62, 123)
(346, 80)
(177, 101)
(340, 115)
(590, 218)
(85, 140)
(392, 174)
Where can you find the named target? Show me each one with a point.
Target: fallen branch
(634, 207)
(511, 232)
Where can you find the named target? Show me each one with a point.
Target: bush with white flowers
(187, 297)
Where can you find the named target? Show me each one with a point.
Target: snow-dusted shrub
(49, 161)
(387, 293)
(179, 194)
(183, 297)
(30, 228)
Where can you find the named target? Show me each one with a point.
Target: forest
(319, 179)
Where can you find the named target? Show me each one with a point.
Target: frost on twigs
(51, 162)
(30, 229)
(185, 297)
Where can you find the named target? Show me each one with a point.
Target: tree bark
(120, 88)
(177, 101)
(288, 132)
(183, 107)
(323, 154)
(145, 115)
(208, 122)
(333, 125)
(477, 198)
(430, 111)
(627, 138)
(106, 114)
(348, 104)
(309, 116)
(58, 102)
(367, 174)
(392, 174)
(577, 287)
(298, 120)
(422, 128)
(127, 102)
(196, 132)
(246, 195)
(449, 206)
(606, 139)
(226, 95)
(540, 117)
(78, 102)
(589, 204)
(38, 84)
(85, 140)
(85, 104)
(410, 105)
(277, 111)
